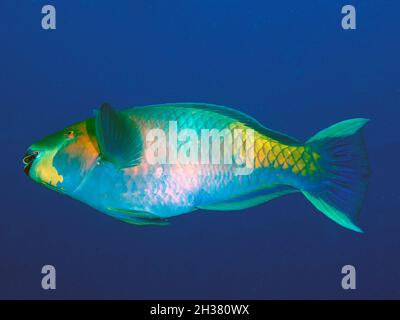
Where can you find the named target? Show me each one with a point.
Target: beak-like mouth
(28, 159)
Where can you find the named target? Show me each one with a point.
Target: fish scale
(216, 179)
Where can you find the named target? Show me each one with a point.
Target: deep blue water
(289, 64)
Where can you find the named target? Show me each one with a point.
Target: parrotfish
(145, 165)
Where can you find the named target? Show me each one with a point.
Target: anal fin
(251, 199)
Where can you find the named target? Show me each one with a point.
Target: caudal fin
(344, 172)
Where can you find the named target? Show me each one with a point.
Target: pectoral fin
(119, 138)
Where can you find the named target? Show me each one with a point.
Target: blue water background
(287, 63)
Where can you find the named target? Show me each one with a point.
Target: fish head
(62, 160)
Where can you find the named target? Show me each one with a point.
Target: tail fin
(344, 172)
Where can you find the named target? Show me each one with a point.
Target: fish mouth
(28, 159)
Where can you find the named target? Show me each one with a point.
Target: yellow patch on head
(46, 172)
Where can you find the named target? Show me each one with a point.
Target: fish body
(146, 164)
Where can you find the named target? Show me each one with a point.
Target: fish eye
(70, 134)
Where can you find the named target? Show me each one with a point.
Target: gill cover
(76, 155)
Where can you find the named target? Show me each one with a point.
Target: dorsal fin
(240, 116)
(118, 137)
